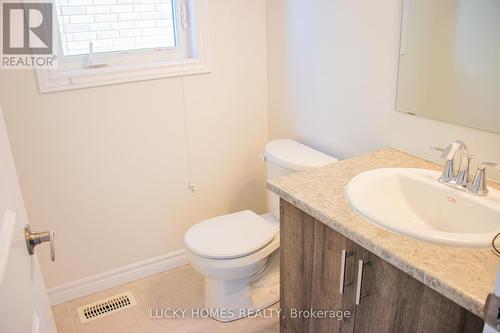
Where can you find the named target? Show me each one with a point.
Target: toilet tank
(284, 156)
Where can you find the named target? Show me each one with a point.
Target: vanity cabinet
(389, 300)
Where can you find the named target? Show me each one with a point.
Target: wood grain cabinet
(317, 262)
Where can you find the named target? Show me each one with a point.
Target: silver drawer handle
(359, 283)
(35, 238)
(343, 284)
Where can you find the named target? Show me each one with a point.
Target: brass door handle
(35, 238)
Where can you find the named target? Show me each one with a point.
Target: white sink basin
(412, 202)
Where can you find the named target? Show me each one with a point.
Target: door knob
(35, 238)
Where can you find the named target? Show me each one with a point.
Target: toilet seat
(230, 236)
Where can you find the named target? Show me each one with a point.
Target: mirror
(449, 62)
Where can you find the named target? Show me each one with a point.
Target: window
(115, 25)
(103, 42)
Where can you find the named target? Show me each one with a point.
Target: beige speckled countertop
(464, 275)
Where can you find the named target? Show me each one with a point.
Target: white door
(24, 305)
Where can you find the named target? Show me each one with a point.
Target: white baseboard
(116, 277)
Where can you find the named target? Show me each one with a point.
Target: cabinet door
(396, 302)
(310, 273)
(327, 277)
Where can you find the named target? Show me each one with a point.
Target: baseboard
(116, 277)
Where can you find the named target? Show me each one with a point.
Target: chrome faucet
(448, 176)
(461, 178)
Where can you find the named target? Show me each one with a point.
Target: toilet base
(229, 300)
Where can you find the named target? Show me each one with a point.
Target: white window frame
(190, 56)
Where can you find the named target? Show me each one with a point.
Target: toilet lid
(230, 236)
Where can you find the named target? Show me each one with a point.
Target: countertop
(464, 275)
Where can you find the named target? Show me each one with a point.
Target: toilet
(238, 254)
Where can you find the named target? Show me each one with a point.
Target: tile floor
(182, 288)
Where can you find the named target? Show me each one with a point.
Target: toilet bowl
(238, 254)
(231, 272)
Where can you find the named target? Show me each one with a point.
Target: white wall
(106, 167)
(332, 69)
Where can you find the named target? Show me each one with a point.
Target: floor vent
(106, 306)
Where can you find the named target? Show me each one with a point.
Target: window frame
(190, 56)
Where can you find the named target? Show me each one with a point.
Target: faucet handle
(448, 153)
(444, 153)
(437, 149)
(479, 185)
(483, 165)
(448, 171)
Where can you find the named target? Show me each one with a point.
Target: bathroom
(121, 159)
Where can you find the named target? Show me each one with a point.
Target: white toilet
(239, 253)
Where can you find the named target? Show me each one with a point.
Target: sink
(412, 202)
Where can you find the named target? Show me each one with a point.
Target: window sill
(53, 81)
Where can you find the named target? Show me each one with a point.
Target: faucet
(448, 176)
(460, 180)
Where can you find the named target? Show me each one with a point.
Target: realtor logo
(27, 34)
